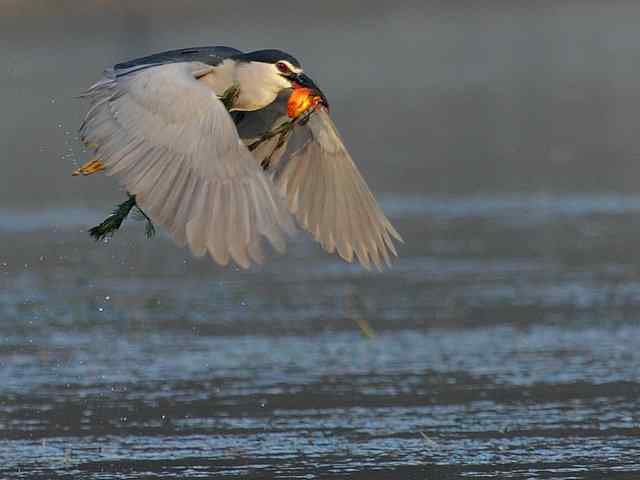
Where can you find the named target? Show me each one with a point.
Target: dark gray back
(209, 55)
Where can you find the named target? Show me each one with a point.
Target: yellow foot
(92, 166)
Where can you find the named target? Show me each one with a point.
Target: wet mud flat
(503, 345)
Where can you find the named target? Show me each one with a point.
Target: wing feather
(173, 145)
(324, 189)
(218, 224)
(196, 230)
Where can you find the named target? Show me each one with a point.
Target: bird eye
(282, 67)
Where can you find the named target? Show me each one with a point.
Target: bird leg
(283, 130)
(266, 161)
(114, 221)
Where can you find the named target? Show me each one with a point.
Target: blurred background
(445, 97)
(501, 139)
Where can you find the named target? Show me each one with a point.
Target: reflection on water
(504, 345)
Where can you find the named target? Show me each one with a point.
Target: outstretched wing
(323, 187)
(172, 144)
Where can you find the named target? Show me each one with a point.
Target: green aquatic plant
(114, 221)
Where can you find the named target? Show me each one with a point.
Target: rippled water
(502, 345)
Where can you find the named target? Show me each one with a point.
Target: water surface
(504, 346)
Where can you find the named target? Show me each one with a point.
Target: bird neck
(259, 86)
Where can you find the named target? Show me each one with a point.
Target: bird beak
(303, 81)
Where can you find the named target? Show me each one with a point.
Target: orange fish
(301, 100)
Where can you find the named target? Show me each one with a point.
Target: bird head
(279, 71)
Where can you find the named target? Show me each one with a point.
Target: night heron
(221, 147)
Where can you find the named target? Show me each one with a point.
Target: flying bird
(222, 148)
